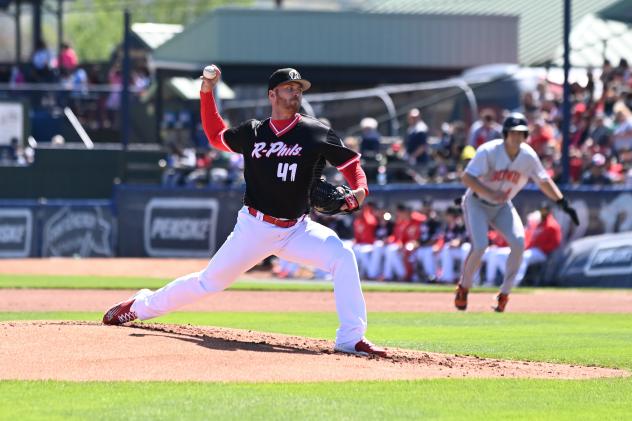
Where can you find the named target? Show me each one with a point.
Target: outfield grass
(587, 339)
(444, 399)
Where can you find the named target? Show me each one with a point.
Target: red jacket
(496, 239)
(364, 227)
(547, 235)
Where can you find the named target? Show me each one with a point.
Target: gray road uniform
(492, 167)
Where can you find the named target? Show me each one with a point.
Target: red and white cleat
(122, 312)
(364, 347)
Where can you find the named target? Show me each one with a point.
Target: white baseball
(210, 72)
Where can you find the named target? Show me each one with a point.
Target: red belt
(283, 223)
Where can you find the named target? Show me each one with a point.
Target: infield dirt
(82, 351)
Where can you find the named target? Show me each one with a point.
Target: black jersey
(281, 165)
(457, 231)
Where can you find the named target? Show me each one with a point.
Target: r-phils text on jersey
(277, 149)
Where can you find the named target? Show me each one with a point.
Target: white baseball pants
(529, 257)
(251, 241)
(426, 256)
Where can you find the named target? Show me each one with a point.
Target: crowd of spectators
(92, 91)
(600, 147)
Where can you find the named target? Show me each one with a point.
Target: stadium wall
(148, 221)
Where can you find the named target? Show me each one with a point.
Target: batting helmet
(515, 122)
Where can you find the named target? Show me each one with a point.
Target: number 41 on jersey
(283, 168)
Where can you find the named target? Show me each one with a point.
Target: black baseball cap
(287, 75)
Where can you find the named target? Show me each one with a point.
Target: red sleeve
(355, 176)
(212, 122)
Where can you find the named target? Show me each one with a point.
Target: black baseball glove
(328, 199)
(566, 207)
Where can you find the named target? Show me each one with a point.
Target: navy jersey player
(283, 156)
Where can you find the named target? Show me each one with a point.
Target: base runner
(499, 170)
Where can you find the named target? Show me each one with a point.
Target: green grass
(587, 339)
(269, 284)
(429, 400)
(272, 284)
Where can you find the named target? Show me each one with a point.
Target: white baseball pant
(251, 241)
(426, 256)
(448, 255)
(529, 257)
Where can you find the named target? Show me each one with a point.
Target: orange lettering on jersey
(506, 175)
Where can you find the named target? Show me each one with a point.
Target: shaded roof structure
(540, 21)
(153, 35)
(303, 37)
(620, 11)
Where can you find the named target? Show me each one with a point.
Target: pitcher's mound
(84, 351)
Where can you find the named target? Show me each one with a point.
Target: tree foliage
(95, 27)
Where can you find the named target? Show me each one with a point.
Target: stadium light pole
(126, 81)
(566, 107)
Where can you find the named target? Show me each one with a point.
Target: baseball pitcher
(284, 156)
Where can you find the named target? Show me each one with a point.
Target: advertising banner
(16, 232)
(77, 230)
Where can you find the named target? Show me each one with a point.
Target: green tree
(95, 27)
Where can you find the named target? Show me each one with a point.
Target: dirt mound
(82, 351)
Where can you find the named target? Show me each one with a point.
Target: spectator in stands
(455, 245)
(543, 236)
(606, 72)
(622, 133)
(485, 129)
(416, 138)
(57, 141)
(13, 154)
(179, 164)
(601, 133)
(397, 169)
(141, 79)
(42, 61)
(113, 102)
(541, 136)
(530, 106)
(623, 71)
(369, 138)
(17, 76)
(580, 125)
(596, 175)
(467, 154)
(68, 60)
